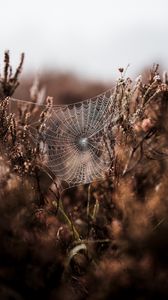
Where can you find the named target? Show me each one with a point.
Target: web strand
(72, 139)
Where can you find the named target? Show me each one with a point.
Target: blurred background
(76, 48)
(90, 39)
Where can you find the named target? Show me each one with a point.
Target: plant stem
(68, 221)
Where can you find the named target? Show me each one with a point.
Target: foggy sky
(89, 37)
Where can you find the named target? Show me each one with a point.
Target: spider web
(73, 139)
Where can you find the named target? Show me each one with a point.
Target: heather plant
(102, 240)
(9, 81)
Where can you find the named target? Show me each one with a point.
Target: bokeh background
(76, 48)
(90, 38)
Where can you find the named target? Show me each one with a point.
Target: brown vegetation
(109, 241)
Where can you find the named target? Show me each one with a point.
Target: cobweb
(74, 139)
